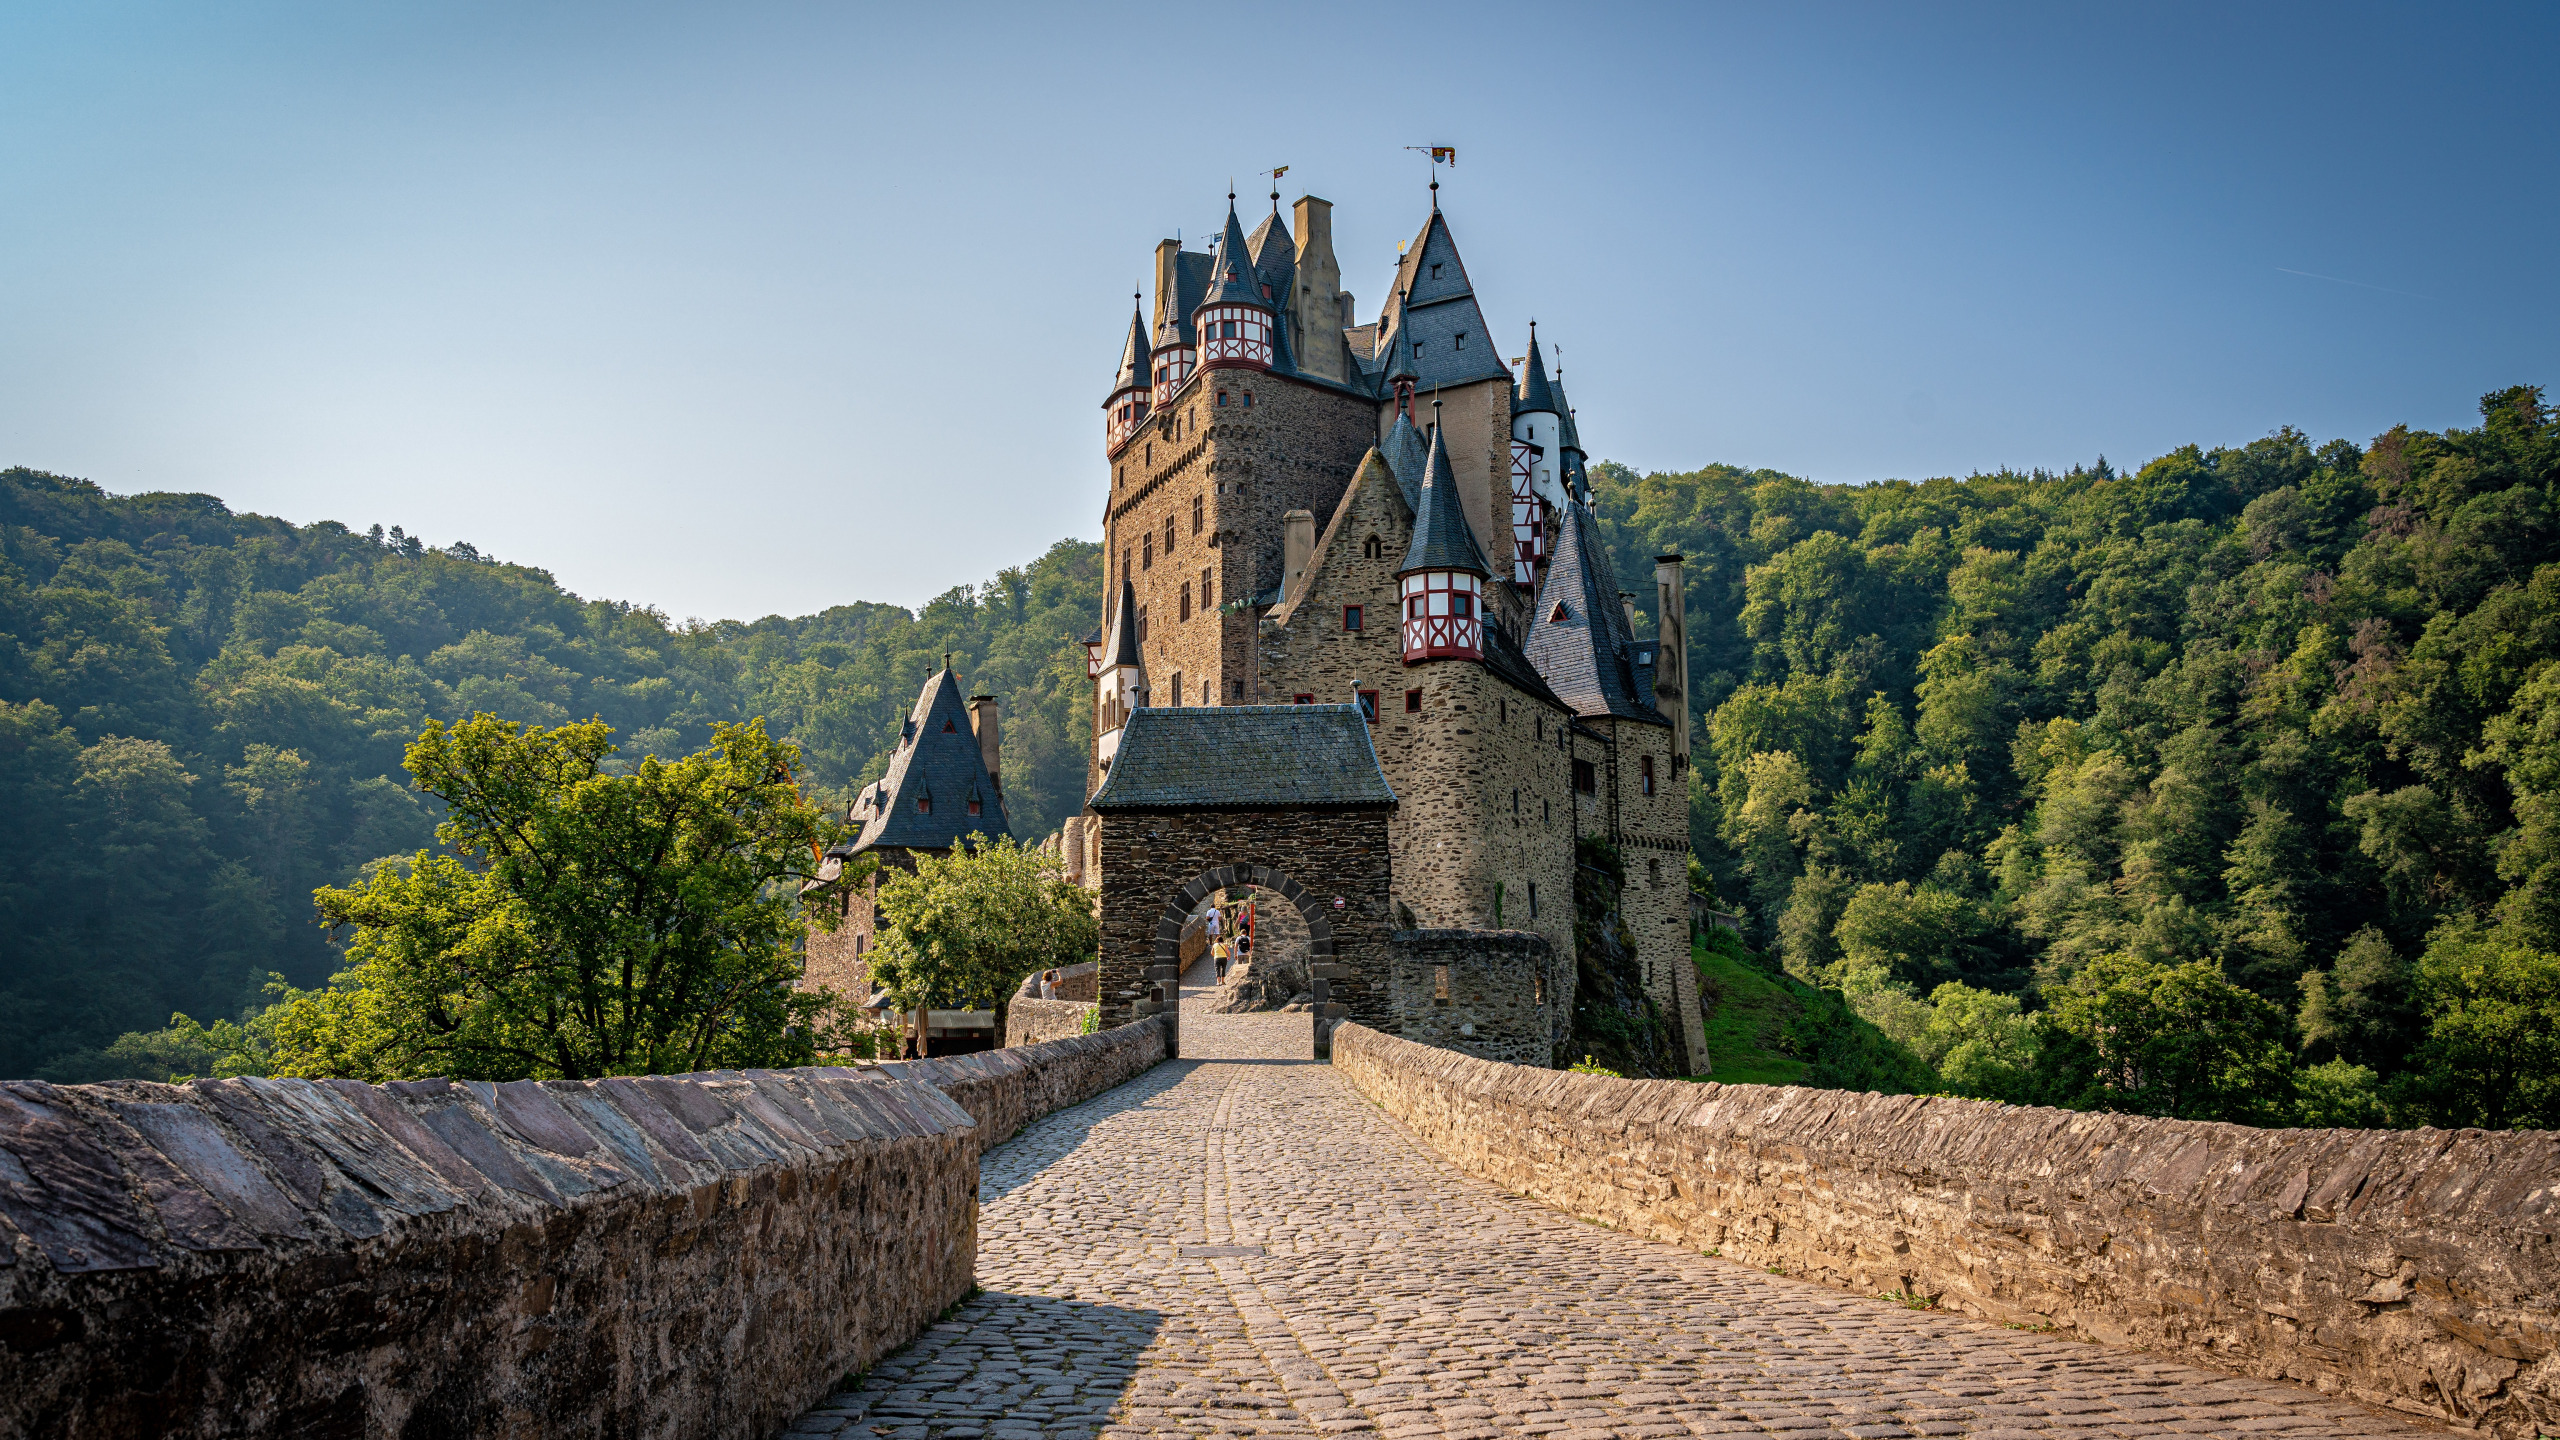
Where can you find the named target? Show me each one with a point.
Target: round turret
(1236, 319)
(1443, 576)
(1127, 408)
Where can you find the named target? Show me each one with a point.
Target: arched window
(1373, 548)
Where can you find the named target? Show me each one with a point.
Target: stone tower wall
(1651, 833)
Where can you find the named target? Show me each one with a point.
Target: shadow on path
(1035, 1364)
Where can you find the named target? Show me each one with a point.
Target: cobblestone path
(1237, 1244)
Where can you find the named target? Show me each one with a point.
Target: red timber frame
(1174, 364)
(1124, 414)
(1528, 516)
(1443, 616)
(1234, 335)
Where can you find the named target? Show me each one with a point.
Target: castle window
(1515, 802)
(1168, 534)
(1461, 342)
(1302, 699)
(1350, 617)
(1208, 692)
(1585, 778)
(1151, 452)
(1373, 548)
(1248, 399)
(1222, 398)
(1542, 728)
(1368, 705)
(1653, 873)
(1186, 600)
(1644, 773)
(861, 943)
(1538, 979)
(1204, 587)
(1533, 914)
(1239, 689)
(1435, 272)
(1556, 616)
(1502, 711)
(1120, 475)
(924, 803)
(1413, 702)
(1545, 815)
(1142, 624)
(1177, 689)
(976, 806)
(949, 726)
(1147, 551)
(1198, 510)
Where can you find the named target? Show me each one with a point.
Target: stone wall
(1311, 856)
(1652, 836)
(679, 1256)
(1032, 1022)
(1486, 993)
(2414, 1270)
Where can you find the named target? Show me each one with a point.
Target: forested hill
(2241, 771)
(202, 716)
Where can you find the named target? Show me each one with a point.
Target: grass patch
(1910, 1302)
(1748, 1021)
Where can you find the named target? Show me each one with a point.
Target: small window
(1248, 399)
(976, 806)
(1196, 513)
(1204, 587)
(861, 943)
(1177, 689)
(1537, 978)
(1373, 548)
(1239, 689)
(1533, 914)
(1168, 534)
(1413, 702)
(1440, 983)
(1435, 272)
(1368, 705)
(948, 726)
(1350, 617)
(1644, 773)
(1502, 710)
(1120, 475)
(1222, 399)
(1147, 551)
(1542, 727)
(1302, 699)
(1515, 802)
(1556, 616)
(1186, 602)
(924, 804)
(1545, 817)
(1585, 778)
(1142, 624)
(1460, 343)
(1208, 692)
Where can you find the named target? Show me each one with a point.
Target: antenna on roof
(946, 659)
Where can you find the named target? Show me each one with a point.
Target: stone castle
(1307, 509)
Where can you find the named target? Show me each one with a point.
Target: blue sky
(745, 309)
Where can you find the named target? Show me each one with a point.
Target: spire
(1408, 459)
(1578, 636)
(1134, 354)
(1231, 275)
(1442, 539)
(1535, 393)
(1120, 646)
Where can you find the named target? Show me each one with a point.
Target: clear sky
(751, 308)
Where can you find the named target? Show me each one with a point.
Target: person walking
(1218, 951)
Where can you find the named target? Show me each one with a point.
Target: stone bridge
(1245, 1242)
(1241, 1243)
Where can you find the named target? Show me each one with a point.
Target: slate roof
(1232, 277)
(1587, 656)
(1408, 458)
(937, 758)
(1190, 282)
(1535, 394)
(1504, 657)
(1122, 648)
(1442, 538)
(1245, 757)
(1434, 311)
(1136, 358)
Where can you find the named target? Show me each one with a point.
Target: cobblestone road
(1237, 1244)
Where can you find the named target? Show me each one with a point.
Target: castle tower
(1128, 404)
(1119, 685)
(1537, 445)
(1181, 279)
(1444, 572)
(1236, 318)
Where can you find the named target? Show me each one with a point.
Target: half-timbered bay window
(1443, 616)
(1234, 335)
(1174, 364)
(1128, 410)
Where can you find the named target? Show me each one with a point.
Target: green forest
(2227, 787)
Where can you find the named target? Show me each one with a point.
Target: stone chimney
(1168, 253)
(1298, 546)
(1671, 650)
(982, 719)
(1323, 310)
(1627, 607)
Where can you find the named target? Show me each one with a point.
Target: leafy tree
(2157, 1039)
(585, 923)
(965, 929)
(2491, 1056)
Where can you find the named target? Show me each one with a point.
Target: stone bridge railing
(677, 1256)
(2417, 1270)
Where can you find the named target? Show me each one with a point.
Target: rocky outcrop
(2416, 1270)
(694, 1255)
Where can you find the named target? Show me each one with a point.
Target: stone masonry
(1157, 867)
(2414, 1270)
(1492, 994)
(1237, 1244)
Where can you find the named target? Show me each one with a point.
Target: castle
(1308, 511)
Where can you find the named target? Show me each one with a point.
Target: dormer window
(924, 803)
(976, 806)
(1435, 272)
(948, 727)
(1556, 616)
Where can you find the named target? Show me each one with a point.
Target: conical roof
(1578, 635)
(1120, 644)
(1408, 458)
(1536, 396)
(1442, 538)
(1135, 356)
(1431, 316)
(922, 803)
(1232, 280)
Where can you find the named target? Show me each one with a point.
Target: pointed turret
(1116, 687)
(1537, 451)
(1578, 633)
(938, 789)
(1444, 571)
(1432, 317)
(1536, 395)
(1408, 458)
(1235, 318)
(1130, 385)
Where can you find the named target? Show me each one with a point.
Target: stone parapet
(2414, 1270)
(696, 1255)
(1034, 1022)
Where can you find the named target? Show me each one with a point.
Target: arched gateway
(1198, 799)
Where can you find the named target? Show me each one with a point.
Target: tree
(2492, 1053)
(2175, 1040)
(585, 924)
(964, 929)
